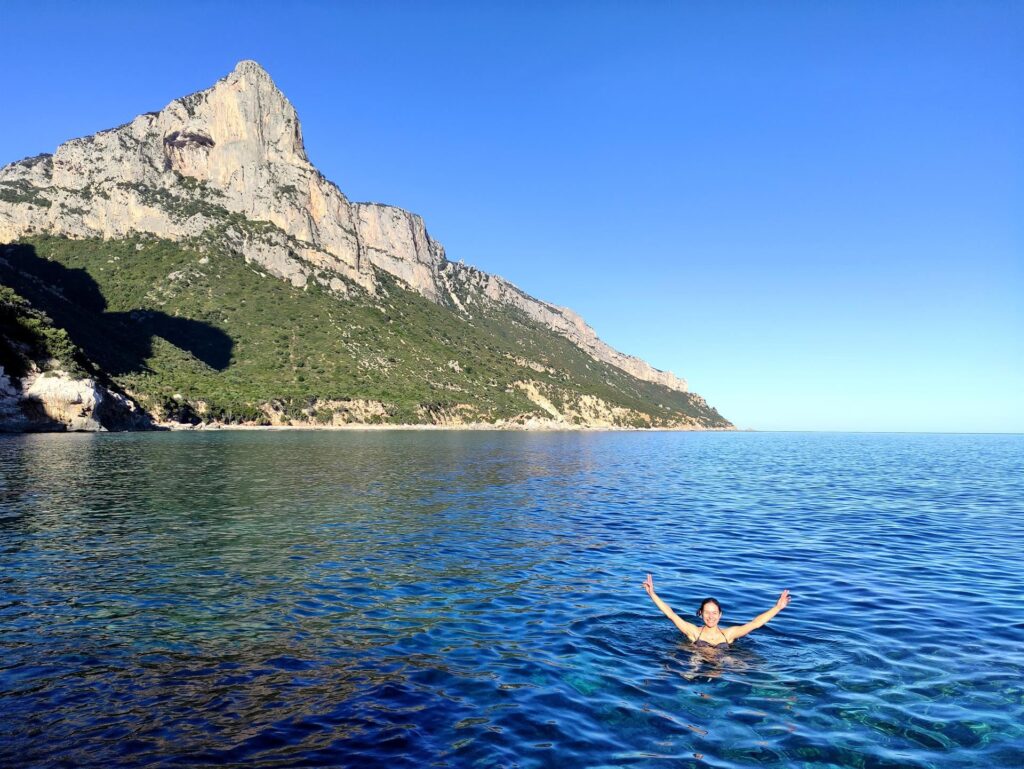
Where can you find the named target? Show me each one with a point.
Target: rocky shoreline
(56, 401)
(529, 426)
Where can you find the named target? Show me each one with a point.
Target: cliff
(236, 148)
(225, 171)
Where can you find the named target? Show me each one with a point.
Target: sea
(474, 599)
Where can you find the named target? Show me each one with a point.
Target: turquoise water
(410, 599)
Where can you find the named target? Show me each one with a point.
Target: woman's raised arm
(686, 628)
(738, 631)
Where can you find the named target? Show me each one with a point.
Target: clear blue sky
(812, 211)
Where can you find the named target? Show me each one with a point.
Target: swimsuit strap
(705, 627)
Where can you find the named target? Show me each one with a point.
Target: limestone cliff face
(228, 165)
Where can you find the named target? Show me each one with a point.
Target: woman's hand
(686, 628)
(649, 585)
(738, 631)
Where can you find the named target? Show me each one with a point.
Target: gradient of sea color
(474, 599)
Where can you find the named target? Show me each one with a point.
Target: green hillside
(29, 340)
(204, 335)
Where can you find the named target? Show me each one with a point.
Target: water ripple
(473, 599)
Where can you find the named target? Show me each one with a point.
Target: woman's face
(711, 614)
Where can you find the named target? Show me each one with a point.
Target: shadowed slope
(209, 331)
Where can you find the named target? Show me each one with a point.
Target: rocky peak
(237, 136)
(242, 137)
(251, 70)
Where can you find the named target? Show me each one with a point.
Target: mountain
(207, 271)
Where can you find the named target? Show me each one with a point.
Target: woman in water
(711, 612)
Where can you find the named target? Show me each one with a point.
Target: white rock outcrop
(55, 400)
(71, 402)
(228, 163)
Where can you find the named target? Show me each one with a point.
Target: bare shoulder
(734, 632)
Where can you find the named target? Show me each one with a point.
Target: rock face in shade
(228, 165)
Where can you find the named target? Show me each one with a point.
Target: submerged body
(710, 635)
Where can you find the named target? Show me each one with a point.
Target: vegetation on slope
(204, 334)
(28, 339)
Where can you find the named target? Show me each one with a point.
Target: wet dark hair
(705, 602)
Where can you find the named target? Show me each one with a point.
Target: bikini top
(699, 642)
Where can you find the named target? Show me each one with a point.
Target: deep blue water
(411, 599)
